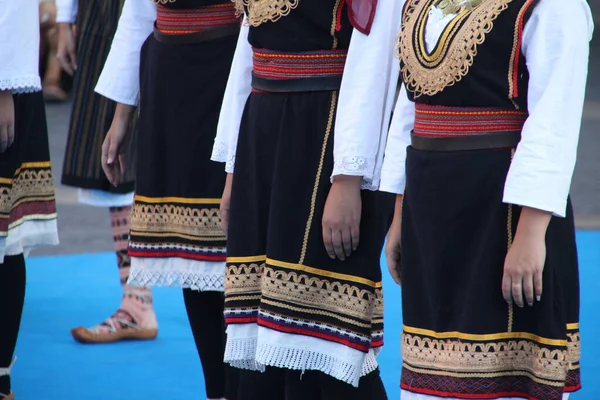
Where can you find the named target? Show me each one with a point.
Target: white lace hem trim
(253, 347)
(21, 84)
(28, 236)
(177, 272)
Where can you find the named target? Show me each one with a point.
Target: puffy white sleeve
(19, 46)
(367, 96)
(66, 10)
(120, 77)
(556, 47)
(393, 174)
(236, 95)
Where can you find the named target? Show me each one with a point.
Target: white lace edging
(296, 352)
(358, 166)
(21, 84)
(221, 153)
(177, 272)
(29, 236)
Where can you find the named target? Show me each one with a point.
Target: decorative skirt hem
(177, 272)
(29, 236)
(267, 347)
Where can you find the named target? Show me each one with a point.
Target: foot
(120, 326)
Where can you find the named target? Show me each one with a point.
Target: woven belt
(439, 128)
(197, 37)
(309, 71)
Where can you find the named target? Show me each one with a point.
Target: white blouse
(556, 48)
(66, 10)
(120, 78)
(19, 46)
(365, 101)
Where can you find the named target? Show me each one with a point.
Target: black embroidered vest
(477, 61)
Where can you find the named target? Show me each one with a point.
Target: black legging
(283, 384)
(205, 313)
(12, 297)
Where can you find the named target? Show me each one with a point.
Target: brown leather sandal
(120, 326)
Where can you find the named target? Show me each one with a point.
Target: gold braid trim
(261, 11)
(429, 74)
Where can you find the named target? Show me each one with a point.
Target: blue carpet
(66, 291)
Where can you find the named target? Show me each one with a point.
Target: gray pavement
(85, 229)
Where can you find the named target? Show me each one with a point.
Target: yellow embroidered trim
(181, 200)
(321, 272)
(425, 74)
(260, 11)
(30, 182)
(313, 199)
(483, 375)
(249, 259)
(485, 337)
(509, 233)
(303, 291)
(333, 23)
(494, 356)
(157, 219)
(513, 53)
(573, 326)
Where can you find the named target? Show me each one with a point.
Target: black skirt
(287, 303)
(176, 237)
(461, 339)
(27, 203)
(92, 113)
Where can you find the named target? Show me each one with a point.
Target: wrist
(533, 223)
(349, 181)
(123, 114)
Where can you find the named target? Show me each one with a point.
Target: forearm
(533, 223)
(123, 113)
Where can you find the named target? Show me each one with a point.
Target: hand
(392, 247)
(114, 146)
(526, 257)
(225, 202)
(7, 120)
(341, 217)
(66, 54)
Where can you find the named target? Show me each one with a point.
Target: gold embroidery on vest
(427, 73)
(260, 11)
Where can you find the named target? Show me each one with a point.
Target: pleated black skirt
(461, 339)
(27, 202)
(287, 303)
(176, 237)
(92, 113)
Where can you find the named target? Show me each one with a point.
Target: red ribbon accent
(361, 14)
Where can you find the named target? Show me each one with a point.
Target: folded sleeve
(239, 86)
(556, 48)
(366, 97)
(119, 80)
(66, 10)
(393, 173)
(19, 46)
